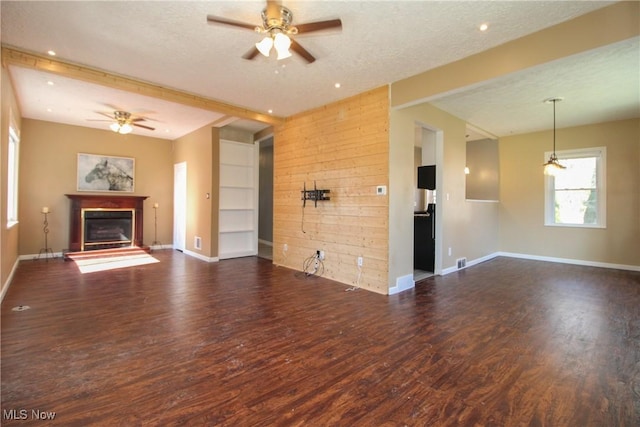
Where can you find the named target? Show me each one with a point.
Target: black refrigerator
(424, 239)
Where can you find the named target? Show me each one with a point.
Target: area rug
(112, 262)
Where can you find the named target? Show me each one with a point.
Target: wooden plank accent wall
(344, 148)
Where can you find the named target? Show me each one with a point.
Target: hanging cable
(313, 265)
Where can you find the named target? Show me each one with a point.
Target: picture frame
(98, 172)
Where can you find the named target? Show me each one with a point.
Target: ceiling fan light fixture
(264, 46)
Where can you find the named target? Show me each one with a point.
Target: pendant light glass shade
(264, 46)
(123, 129)
(553, 166)
(282, 43)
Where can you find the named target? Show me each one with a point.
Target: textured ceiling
(169, 43)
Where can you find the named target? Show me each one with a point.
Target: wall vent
(197, 242)
(462, 263)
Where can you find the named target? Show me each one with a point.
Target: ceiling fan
(277, 28)
(122, 121)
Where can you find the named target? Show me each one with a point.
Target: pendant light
(553, 166)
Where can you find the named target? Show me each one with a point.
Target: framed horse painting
(105, 173)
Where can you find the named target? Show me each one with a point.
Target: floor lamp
(156, 242)
(45, 229)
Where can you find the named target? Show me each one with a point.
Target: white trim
(33, 257)
(571, 261)
(238, 254)
(160, 247)
(471, 263)
(200, 257)
(6, 284)
(403, 283)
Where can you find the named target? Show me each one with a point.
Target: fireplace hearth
(105, 222)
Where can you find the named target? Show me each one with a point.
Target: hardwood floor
(243, 343)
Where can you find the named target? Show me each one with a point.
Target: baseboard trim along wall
(570, 261)
(453, 269)
(473, 262)
(34, 257)
(403, 283)
(200, 257)
(5, 285)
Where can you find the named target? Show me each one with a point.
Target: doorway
(427, 230)
(265, 203)
(179, 206)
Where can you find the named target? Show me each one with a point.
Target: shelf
(238, 215)
(246, 230)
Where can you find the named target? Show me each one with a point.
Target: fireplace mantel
(92, 201)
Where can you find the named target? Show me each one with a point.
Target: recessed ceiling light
(49, 110)
(484, 27)
(270, 111)
(51, 52)
(50, 83)
(337, 85)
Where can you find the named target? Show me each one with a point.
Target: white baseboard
(473, 262)
(403, 283)
(200, 256)
(5, 285)
(160, 247)
(31, 257)
(570, 261)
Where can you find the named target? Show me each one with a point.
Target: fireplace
(107, 228)
(105, 222)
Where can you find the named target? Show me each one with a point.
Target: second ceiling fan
(277, 28)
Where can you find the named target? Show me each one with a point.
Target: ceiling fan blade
(99, 120)
(219, 20)
(143, 126)
(318, 26)
(295, 46)
(138, 119)
(106, 115)
(251, 53)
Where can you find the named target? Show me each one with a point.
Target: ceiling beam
(610, 24)
(12, 56)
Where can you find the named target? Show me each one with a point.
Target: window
(576, 196)
(12, 175)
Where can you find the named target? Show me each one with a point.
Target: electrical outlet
(321, 255)
(197, 242)
(285, 247)
(359, 261)
(449, 250)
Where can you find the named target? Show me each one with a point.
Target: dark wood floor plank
(241, 342)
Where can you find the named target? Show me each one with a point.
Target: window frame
(13, 172)
(600, 154)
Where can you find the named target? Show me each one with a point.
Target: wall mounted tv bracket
(315, 195)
